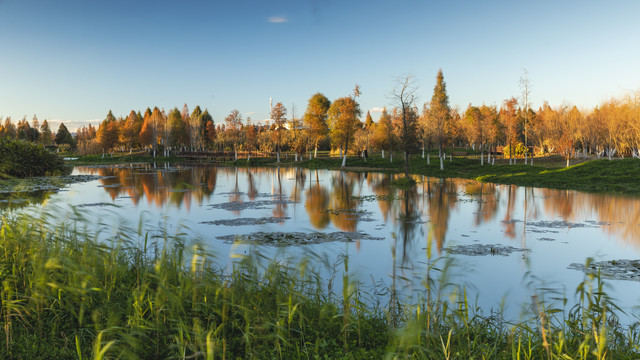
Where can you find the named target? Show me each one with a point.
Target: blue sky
(73, 61)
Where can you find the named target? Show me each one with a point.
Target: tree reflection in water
(183, 186)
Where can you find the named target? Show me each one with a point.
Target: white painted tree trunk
(278, 156)
(344, 160)
(423, 152)
(341, 151)
(450, 157)
(383, 153)
(296, 157)
(428, 159)
(481, 158)
(315, 153)
(441, 163)
(391, 156)
(236, 155)
(567, 161)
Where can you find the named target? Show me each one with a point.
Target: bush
(20, 158)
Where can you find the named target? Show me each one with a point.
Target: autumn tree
(439, 115)
(494, 132)
(315, 119)
(233, 123)
(383, 135)
(130, 131)
(509, 119)
(209, 127)
(177, 128)
(278, 115)
(8, 129)
(47, 135)
(194, 126)
(107, 134)
(251, 141)
(476, 128)
(343, 121)
(404, 98)
(525, 86)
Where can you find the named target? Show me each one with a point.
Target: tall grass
(80, 291)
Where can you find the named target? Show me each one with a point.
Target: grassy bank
(66, 295)
(617, 176)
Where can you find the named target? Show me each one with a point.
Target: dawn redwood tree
(383, 135)
(278, 115)
(475, 128)
(315, 119)
(129, 132)
(209, 128)
(194, 127)
(8, 129)
(440, 114)
(177, 126)
(107, 134)
(46, 133)
(233, 123)
(509, 118)
(494, 131)
(251, 141)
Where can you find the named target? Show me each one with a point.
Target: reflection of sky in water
(563, 227)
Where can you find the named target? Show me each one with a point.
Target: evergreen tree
(63, 136)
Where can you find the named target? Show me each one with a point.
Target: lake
(504, 242)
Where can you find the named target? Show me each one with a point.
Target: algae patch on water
(483, 250)
(247, 221)
(622, 269)
(296, 238)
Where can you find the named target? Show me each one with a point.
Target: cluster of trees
(35, 132)
(513, 129)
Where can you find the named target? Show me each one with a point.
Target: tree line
(513, 130)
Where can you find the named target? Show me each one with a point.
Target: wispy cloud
(376, 109)
(277, 19)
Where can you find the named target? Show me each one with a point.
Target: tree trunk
(423, 152)
(441, 159)
(481, 156)
(383, 153)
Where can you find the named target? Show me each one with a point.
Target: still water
(505, 241)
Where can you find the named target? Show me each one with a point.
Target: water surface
(505, 241)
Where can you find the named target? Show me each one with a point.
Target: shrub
(20, 158)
